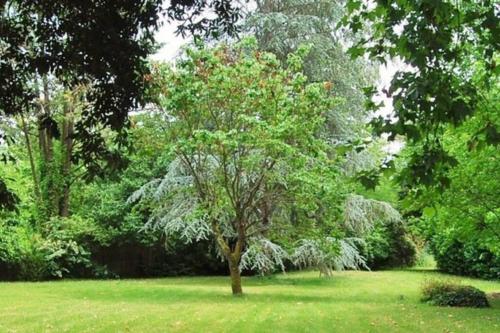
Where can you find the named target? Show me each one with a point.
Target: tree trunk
(235, 276)
(67, 151)
(233, 257)
(36, 183)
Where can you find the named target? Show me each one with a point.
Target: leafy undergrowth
(385, 301)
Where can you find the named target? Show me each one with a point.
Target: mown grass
(297, 302)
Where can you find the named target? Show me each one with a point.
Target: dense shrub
(9, 243)
(446, 293)
(59, 251)
(19, 253)
(79, 248)
(388, 245)
(469, 259)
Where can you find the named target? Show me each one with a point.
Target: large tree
(251, 163)
(103, 44)
(468, 212)
(440, 44)
(242, 131)
(281, 27)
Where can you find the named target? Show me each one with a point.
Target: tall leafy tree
(49, 140)
(242, 131)
(250, 163)
(439, 42)
(281, 27)
(103, 44)
(461, 222)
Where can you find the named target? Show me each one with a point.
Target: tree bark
(234, 270)
(233, 258)
(67, 151)
(46, 133)
(36, 183)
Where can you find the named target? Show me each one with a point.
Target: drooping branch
(361, 214)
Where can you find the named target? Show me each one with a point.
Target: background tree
(462, 222)
(47, 134)
(54, 120)
(282, 26)
(439, 42)
(103, 45)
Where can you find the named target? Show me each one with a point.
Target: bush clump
(60, 250)
(446, 293)
(469, 259)
(388, 246)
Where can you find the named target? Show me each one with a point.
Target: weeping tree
(250, 168)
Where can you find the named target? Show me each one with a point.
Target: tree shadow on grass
(441, 275)
(220, 294)
(196, 296)
(289, 280)
(419, 270)
(273, 280)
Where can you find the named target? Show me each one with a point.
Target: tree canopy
(281, 27)
(251, 165)
(439, 42)
(103, 45)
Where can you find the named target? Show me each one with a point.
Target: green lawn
(297, 302)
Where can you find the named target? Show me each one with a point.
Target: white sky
(171, 43)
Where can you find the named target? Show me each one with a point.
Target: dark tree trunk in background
(48, 176)
(29, 147)
(66, 153)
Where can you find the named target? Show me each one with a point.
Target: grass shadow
(216, 296)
